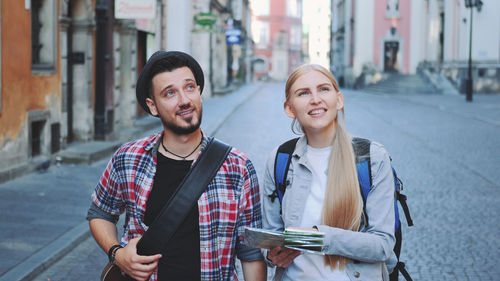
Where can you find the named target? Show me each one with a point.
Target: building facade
(442, 46)
(68, 72)
(69, 67)
(370, 36)
(277, 36)
(31, 117)
(408, 36)
(200, 27)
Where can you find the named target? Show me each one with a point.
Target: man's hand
(137, 267)
(282, 257)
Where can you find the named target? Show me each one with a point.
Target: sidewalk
(44, 212)
(484, 107)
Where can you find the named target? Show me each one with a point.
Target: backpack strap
(402, 198)
(281, 165)
(361, 148)
(284, 156)
(400, 266)
(363, 166)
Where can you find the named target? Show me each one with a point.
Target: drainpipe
(211, 64)
(99, 114)
(69, 73)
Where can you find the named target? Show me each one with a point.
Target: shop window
(43, 35)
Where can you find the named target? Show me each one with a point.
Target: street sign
(233, 36)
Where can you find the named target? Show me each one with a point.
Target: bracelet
(269, 261)
(112, 252)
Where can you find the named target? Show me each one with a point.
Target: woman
(323, 191)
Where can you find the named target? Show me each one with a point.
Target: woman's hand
(282, 257)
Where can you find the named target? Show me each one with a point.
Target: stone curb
(48, 255)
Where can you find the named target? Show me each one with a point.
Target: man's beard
(182, 130)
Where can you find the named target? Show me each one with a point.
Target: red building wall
(22, 91)
(279, 21)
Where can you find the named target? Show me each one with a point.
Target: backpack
(363, 166)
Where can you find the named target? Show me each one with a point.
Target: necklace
(183, 157)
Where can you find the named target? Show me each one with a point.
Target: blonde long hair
(342, 207)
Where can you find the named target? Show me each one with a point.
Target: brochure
(298, 239)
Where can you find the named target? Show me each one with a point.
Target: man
(143, 174)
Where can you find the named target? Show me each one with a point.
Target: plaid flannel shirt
(229, 204)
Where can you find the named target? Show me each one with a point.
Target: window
(296, 35)
(43, 35)
(392, 9)
(260, 7)
(340, 15)
(293, 8)
(260, 32)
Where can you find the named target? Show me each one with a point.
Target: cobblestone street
(445, 151)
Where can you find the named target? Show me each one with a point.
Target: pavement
(43, 212)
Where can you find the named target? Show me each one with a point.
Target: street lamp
(471, 4)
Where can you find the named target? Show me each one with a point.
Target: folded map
(298, 239)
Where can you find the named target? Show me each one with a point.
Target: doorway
(391, 52)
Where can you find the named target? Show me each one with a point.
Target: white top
(311, 266)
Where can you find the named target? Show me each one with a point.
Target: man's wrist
(112, 252)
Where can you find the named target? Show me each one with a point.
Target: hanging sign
(205, 19)
(233, 36)
(135, 9)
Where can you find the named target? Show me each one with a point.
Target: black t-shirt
(181, 256)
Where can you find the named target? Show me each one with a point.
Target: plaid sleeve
(252, 212)
(251, 215)
(107, 194)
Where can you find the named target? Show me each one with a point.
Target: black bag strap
(184, 198)
(402, 200)
(400, 267)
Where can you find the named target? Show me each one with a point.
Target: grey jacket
(371, 249)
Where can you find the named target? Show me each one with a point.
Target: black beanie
(176, 59)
